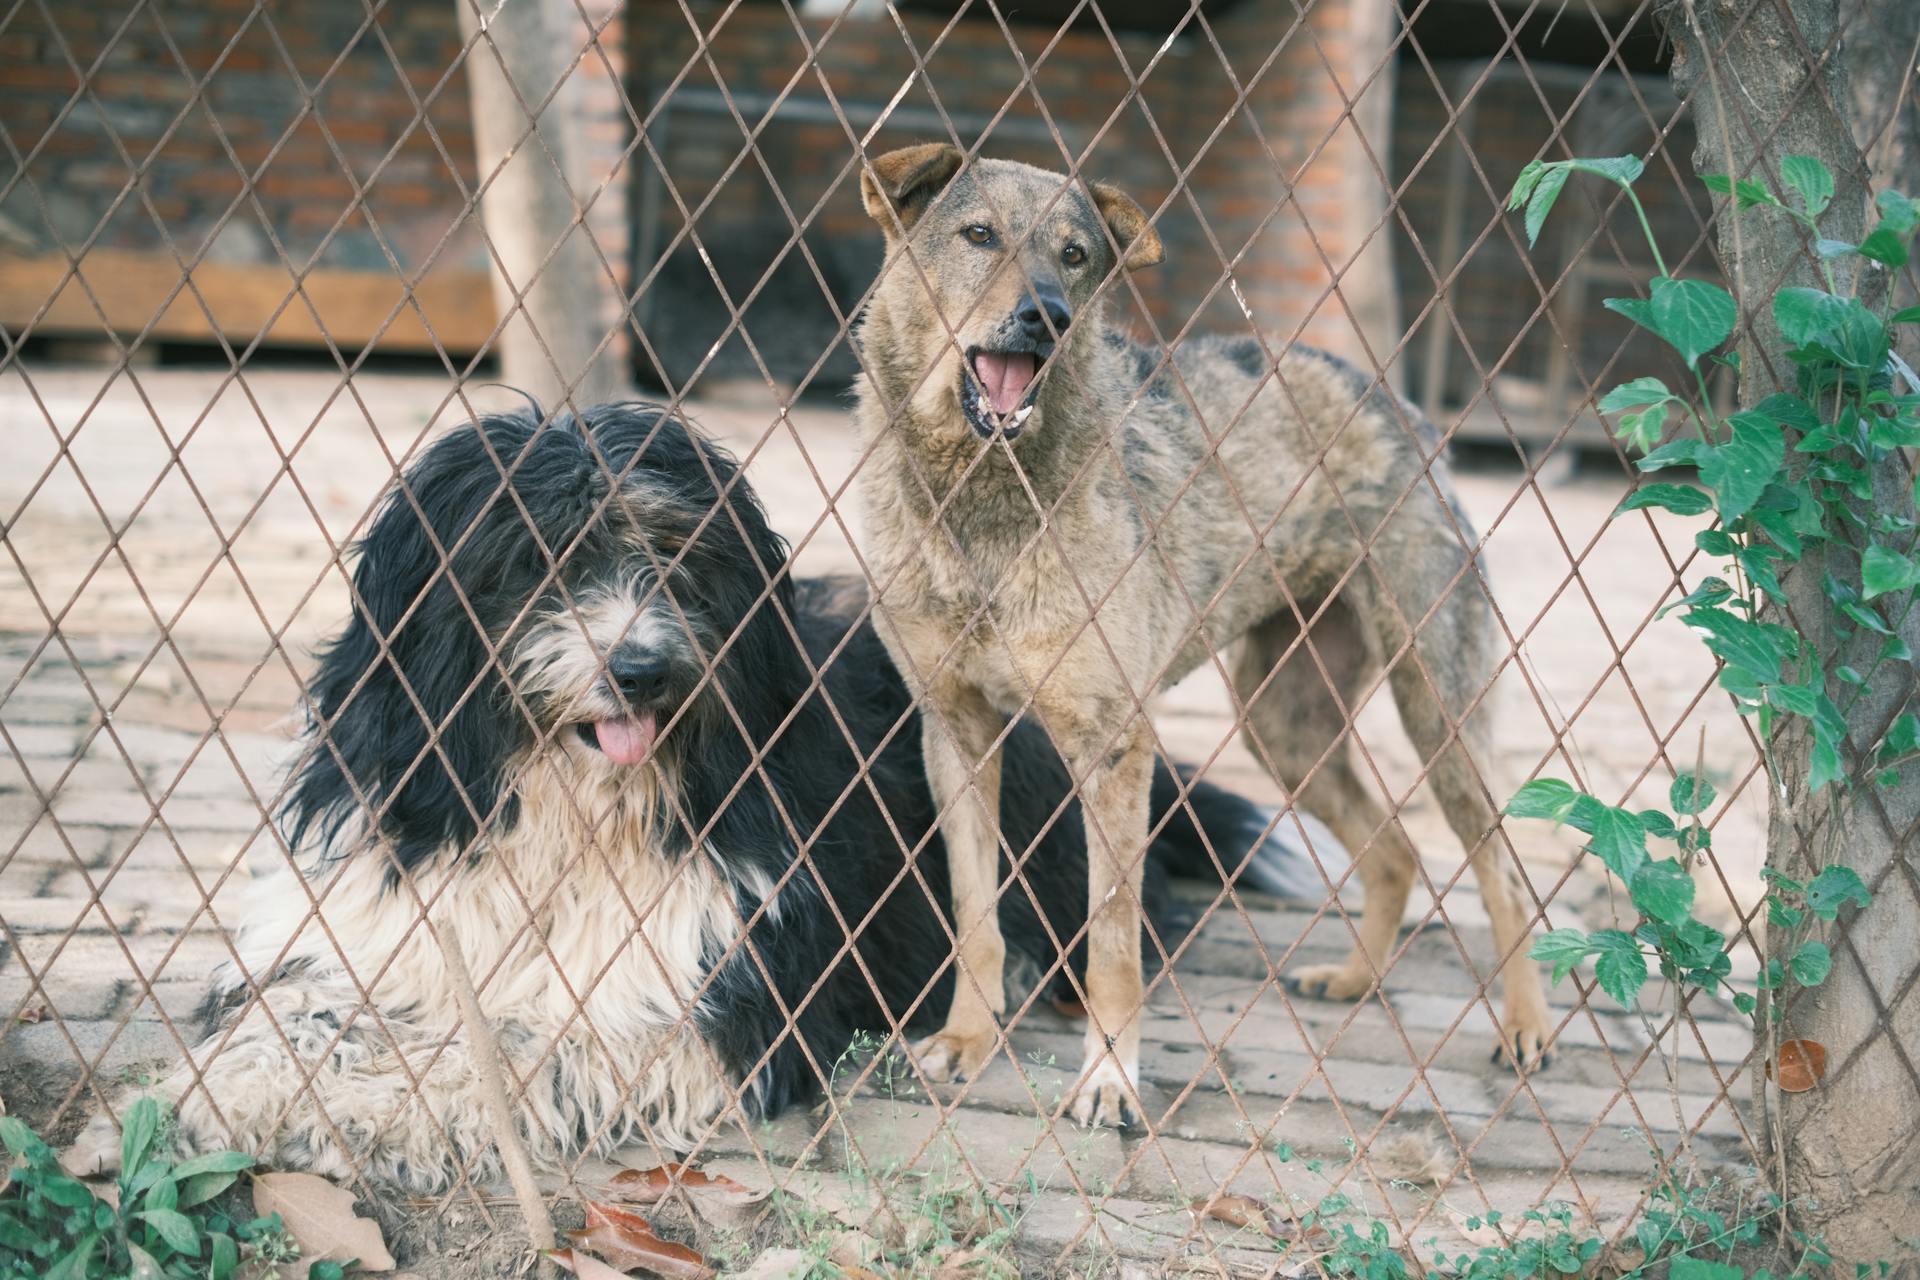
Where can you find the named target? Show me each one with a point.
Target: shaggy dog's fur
(1068, 522)
(600, 782)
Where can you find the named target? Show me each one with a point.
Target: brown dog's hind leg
(1291, 723)
(957, 728)
(1453, 652)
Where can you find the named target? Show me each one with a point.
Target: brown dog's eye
(978, 233)
(1073, 255)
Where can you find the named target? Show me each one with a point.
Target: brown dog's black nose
(1045, 306)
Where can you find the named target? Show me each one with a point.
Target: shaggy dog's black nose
(1046, 305)
(640, 677)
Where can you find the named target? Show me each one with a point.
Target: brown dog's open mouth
(997, 390)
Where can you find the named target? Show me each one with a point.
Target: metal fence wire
(244, 284)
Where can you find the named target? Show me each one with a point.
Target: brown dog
(1034, 467)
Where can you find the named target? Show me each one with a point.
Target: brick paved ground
(142, 735)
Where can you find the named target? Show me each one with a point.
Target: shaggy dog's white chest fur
(586, 947)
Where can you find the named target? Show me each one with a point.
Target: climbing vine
(1791, 473)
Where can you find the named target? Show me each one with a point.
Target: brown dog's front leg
(1114, 801)
(957, 730)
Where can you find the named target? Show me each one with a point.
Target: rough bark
(548, 344)
(1845, 1149)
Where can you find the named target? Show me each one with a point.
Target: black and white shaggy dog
(597, 780)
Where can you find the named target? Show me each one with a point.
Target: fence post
(1844, 1151)
(550, 341)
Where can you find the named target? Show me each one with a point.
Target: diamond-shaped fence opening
(407, 802)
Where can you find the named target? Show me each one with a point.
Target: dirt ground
(174, 545)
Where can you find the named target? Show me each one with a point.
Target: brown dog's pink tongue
(1005, 375)
(628, 739)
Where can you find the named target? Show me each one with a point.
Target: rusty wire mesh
(116, 907)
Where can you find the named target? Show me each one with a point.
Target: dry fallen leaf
(1802, 1065)
(627, 1240)
(32, 1013)
(1236, 1211)
(718, 1199)
(584, 1265)
(320, 1217)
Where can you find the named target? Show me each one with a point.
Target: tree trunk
(549, 342)
(1845, 1150)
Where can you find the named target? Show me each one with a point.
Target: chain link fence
(245, 282)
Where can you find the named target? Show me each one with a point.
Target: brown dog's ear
(1139, 243)
(902, 183)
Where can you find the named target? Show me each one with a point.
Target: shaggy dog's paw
(1330, 981)
(953, 1055)
(95, 1152)
(1104, 1096)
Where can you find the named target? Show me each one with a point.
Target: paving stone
(111, 1049)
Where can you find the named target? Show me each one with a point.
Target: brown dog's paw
(1104, 1096)
(953, 1055)
(1523, 1044)
(1330, 981)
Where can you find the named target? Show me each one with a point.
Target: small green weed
(169, 1222)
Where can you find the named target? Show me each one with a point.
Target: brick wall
(306, 97)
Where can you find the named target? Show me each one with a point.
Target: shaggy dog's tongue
(628, 739)
(1005, 375)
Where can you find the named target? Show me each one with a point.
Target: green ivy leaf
(1750, 193)
(1563, 948)
(1711, 590)
(223, 1257)
(137, 1129)
(1619, 841)
(1631, 395)
(1834, 248)
(1524, 184)
(1907, 315)
(1685, 451)
(1811, 963)
(1690, 794)
(1883, 245)
(1548, 798)
(1540, 202)
(1625, 170)
(1638, 310)
(1898, 213)
(1806, 315)
(1903, 737)
(1678, 498)
(1621, 968)
(1749, 646)
(1692, 315)
(1741, 469)
(1662, 891)
(1658, 824)
(1789, 411)
(1642, 431)
(1883, 570)
(1809, 177)
(1824, 765)
(1834, 888)
(1745, 1003)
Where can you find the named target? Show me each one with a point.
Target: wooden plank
(351, 305)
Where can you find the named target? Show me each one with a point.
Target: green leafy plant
(1793, 472)
(167, 1219)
